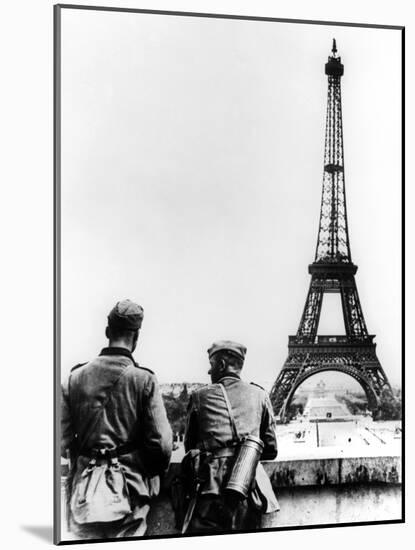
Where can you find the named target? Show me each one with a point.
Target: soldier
(115, 427)
(209, 429)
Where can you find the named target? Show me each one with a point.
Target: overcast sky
(192, 163)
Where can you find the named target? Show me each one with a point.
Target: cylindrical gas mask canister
(244, 468)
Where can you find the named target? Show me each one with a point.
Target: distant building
(320, 389)
(176, 388)
(326, 409)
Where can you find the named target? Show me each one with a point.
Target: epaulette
(144, 368)
(254, 384)
(78, 365)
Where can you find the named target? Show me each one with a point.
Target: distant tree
(390, 407)
(354, 401)
(184, 396)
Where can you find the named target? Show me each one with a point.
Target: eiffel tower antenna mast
(332, 272)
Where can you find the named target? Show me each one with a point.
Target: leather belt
(223, 452)
(107, 454)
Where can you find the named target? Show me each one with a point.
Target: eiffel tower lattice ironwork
(332, 272)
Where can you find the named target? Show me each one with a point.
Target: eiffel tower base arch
(358, 361)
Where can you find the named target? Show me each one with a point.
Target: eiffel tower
(332, 272)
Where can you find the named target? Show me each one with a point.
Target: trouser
(215, 514)
(132, 525)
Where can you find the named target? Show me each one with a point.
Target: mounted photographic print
(228, 274)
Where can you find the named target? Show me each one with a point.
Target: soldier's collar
(231, 375)
(117, 351)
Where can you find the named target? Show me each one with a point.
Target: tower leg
(352, 310)
(311, 314)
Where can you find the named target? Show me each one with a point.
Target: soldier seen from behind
(115, 427)
(230, 427)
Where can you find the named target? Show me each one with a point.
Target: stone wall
(316, 492)
(302, 506)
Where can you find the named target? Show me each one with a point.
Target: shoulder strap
(99, 413)
(77, 366)
(257, 385)
(230, 412)
(144, 368)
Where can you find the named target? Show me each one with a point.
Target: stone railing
(315, 492)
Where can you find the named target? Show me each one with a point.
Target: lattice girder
(332, 272)
(321, 283)
(333, 237)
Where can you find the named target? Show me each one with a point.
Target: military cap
(126, 315)
(227, 345)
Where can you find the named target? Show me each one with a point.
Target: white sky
(192, 162)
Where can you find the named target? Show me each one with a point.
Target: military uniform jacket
(209, 428)
(134, 414)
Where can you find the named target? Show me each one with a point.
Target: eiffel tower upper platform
(332, 272)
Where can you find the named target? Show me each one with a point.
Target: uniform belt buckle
(103, 454)
(92, 464)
